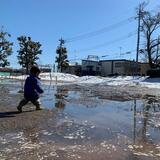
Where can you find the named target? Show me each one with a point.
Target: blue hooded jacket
(32, 88)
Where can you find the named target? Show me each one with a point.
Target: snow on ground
(114, 81)
(117, 80)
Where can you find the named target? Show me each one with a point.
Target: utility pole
(62, 41)
(138, 36)
(75, 57)
(120, 51)
(61, 52)
(138, 32)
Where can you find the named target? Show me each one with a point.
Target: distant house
(90, 67)
(119, 66)
(74, 69)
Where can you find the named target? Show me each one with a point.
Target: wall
(106, 68)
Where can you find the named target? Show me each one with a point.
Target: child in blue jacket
(32, 89)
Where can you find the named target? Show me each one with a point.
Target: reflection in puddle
(133, 125)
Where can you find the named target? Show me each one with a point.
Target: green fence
(5, 74)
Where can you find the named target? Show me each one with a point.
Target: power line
(109, 42)
(129, 52)
(100, 31)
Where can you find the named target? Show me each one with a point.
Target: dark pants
(25, 101)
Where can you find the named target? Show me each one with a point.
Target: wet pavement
(79, 123)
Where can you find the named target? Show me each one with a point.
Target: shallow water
(106, 118)
(130, 126)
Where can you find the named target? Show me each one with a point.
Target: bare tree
(149, 26)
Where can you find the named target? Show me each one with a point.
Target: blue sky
(103, 24)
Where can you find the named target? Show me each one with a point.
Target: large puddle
(130, 126)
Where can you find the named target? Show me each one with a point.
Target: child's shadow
(10, 114)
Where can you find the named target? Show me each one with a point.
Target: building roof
(90, 60)
(116, 60)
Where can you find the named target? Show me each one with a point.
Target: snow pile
(124, 80)
(58, 77)
(61, 78)
(114, 81)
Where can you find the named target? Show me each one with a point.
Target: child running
(32, 89)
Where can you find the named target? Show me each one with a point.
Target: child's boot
(21, 104)
(38, 108)
(19, 108)
(37, 103)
